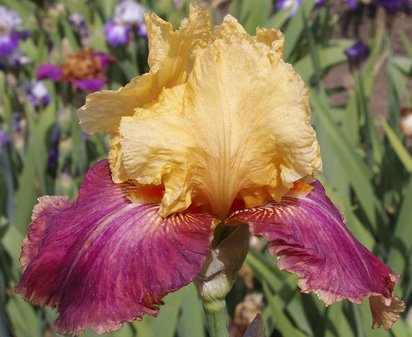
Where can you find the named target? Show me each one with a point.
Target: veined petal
(171, 58)
(241, 127)
(105, 260)
(311, 239)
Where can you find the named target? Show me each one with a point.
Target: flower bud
(219, 271)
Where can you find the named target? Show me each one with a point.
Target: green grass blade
(360, 175)
(398, 147)
(401, 240)
(191, 322)
(283, 323)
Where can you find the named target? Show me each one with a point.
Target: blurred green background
(358, 108)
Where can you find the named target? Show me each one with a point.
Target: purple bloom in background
(390, 5)
(53, 157)
(9, 36)
(141, 31)
(8, 44)
(38, 94)
(352, 4)
(16, 118)
(54, 149)
(23, 34)
(78, 23)
(17, 59)
(49, 71)
(105, 59)
(89, 84)
(127, 14)
(320, 3)
(295, 4)
(116, 34)
(4, 137)
(84, 70)
(357, 53)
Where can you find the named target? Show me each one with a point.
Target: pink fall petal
(312, 240)
(104, 260)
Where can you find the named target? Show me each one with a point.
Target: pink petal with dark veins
(104, 260)
(309, 235)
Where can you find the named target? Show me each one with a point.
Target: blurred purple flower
(16, 118)
(23, 34)
(53, 157)
(352, 4)
(78, 23)
(4, 137)
(141, 31)
(8, 44)
(357, 53)
(116, 34)
(128, 12)
(49, 71)
(390, 5)
(9, 35)
(38, 94)
(17, 59)
(104, 58)
(89, 84)
(84, 70)
(295, 4)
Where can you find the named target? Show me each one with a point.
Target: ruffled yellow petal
(156, 148)
(239, 127)
(103, 109)
(273, 38)
(119, 174)
(175, 52)
(171, 58)
(229, 26)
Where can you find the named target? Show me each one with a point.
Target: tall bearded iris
(217, 133)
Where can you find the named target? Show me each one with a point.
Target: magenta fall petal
(312, 240)
(104, 260)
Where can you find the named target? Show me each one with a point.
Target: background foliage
(367, 159)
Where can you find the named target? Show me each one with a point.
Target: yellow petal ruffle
(171, 58)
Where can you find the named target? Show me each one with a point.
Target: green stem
(216, 322)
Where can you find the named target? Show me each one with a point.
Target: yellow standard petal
(239, 128)
(171, 58)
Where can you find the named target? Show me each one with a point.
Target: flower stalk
(217, 322)
(218, 274)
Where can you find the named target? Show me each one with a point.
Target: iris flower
(217, 132)
(84, 70)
